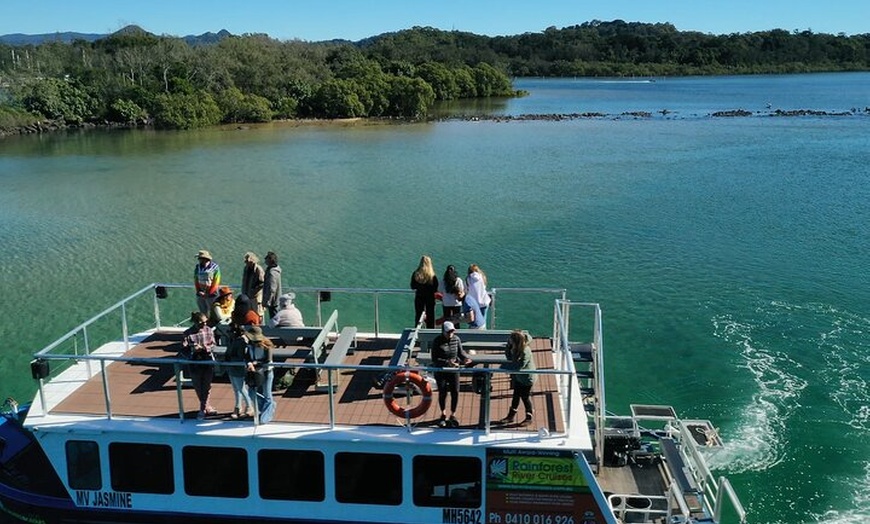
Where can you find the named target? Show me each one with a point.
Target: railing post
(319, 312)
(492, 309)
(177, 369)
(87, 351)
(156, 310)
(377, 316)
(42, 396)
(124, 327)
(106, 389)
(331, 399)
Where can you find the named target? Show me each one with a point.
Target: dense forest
(134, 77)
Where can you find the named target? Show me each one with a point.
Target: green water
(728, 256)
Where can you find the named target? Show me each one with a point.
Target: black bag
(478, 383)
(255, 379)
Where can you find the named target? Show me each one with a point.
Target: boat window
(215, 472)
(368, 478)
(447, 481)
(83, 465)
(291, 475)
(141, 468)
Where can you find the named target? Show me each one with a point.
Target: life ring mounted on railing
(410, 379)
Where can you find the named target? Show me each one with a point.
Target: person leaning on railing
(519, 354)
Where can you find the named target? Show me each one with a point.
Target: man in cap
(288, 315)
(206, 280)
(447, 353)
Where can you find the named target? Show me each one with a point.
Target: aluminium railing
(82, 331)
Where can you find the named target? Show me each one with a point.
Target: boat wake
(808, 363)
(860, 514)
(759, 443)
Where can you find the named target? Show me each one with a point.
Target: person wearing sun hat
(206, 280)
(259, 359)
(220, 315)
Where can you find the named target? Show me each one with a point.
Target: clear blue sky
(357, 19)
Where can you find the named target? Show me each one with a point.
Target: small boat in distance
(112, 434)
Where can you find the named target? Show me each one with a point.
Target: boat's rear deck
(146, 389)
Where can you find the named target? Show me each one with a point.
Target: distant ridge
(20, 39)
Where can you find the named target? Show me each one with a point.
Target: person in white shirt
(288, 314)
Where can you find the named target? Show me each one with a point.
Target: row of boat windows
(210, 471)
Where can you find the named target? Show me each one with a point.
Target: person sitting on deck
(244, 313)
(221, 314)
(520, 358)
(197, 343)
(447, 352)
(288, 314)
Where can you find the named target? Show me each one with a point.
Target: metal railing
(157, 290)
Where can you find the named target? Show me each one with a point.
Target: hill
(20, 39)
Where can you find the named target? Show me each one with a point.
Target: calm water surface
(729, 255)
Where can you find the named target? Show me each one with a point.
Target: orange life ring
(415, 380)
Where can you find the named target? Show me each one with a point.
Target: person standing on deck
(259, 359)
(253, 278)
(518, 351)
(447, 353)
(197, 342)
(271, 284)
(452, 291)
(237, 351)
(206, 280)
(475, 285)
(471, 313)
(425, 284)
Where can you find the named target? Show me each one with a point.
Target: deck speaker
(325, 296)
(161, 292)
(39, 368)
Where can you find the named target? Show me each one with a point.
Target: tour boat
(112, 433)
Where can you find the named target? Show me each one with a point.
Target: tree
(186, 111)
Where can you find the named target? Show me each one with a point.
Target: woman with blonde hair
(519, 355)
(425, 284)
(475, 286)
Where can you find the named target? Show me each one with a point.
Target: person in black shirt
(425, 285)
(447, 353)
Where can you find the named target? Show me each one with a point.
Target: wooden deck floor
(149, 390)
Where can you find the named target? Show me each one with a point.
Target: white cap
(448, 326)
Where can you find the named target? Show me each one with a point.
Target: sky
(354, 20)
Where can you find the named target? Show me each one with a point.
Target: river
(729, 254)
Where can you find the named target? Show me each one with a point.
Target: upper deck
(138, 376)
(143, 384)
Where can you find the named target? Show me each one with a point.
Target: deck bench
(399, 358)
(339, 350)
(681, 474)
(290, 336)
(472, 338)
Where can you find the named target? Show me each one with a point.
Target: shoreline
(48, 126)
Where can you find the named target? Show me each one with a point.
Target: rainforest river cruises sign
(528, 486)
